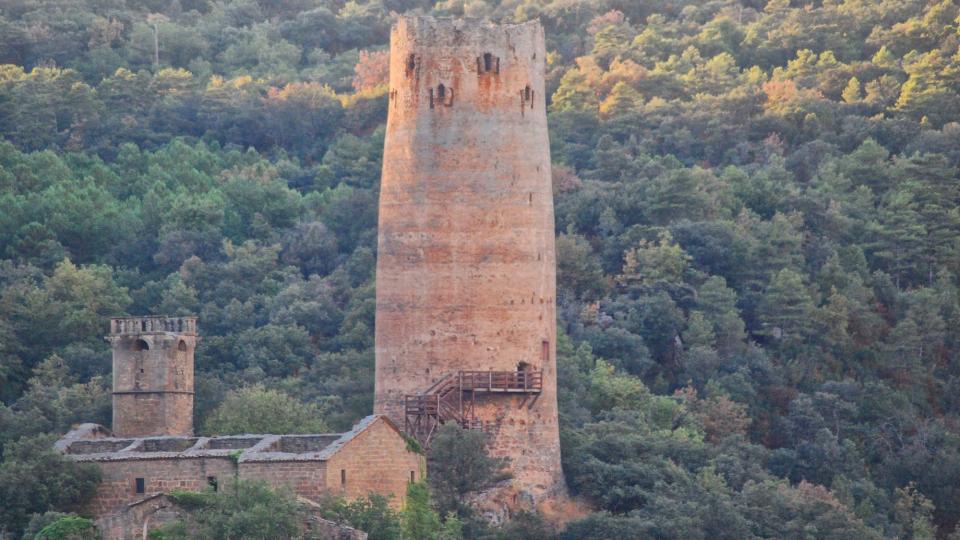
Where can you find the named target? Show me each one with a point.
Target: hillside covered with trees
(758, 232)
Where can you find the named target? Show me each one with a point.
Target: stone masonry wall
(145, 414)
(372, 458)
(376, 460)
(306, 478)
(152, 378)
(466, 264)
(152, 512)
(118, 484)
(130, 523)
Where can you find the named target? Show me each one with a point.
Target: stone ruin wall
(155, 511)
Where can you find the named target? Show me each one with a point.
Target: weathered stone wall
(466, 267)
(132, 521)
(375, 461)
(118, 485)
(152, 376)
(142, 414)
(306, 478)
(371, 458)
(317, 527)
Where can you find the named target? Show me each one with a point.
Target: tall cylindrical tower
(466, 267)
(153, 375)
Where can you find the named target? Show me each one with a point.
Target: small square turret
(153, 375)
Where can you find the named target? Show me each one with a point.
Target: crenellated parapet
(120, 326)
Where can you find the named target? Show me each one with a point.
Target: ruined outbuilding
(152, 452)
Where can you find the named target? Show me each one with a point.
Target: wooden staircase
(453, 399)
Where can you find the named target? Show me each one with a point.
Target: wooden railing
(452, 399)
(501, 381)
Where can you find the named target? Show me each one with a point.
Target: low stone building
(152, 453)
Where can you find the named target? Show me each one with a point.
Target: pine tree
(933, 184)
(574, 94)
(622, 101)
(786, 310)
(852, 94)
(699, 332)
(898, 235)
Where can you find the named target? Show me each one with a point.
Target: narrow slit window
(487, 61)
(413, 477)
(526, 94)
(343, 477)
(545, 352)
(441, 92)
(411, 63)
(431, 98)
(141, 485)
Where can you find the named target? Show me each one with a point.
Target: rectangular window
(212, 482)
(413, 477)
(343, 477)
(545, 353)
(141, 485)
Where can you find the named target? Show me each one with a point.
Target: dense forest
(758, 231)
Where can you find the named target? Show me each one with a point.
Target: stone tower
(153, 375)
(466, 268)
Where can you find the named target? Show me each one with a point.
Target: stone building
(151, 452)
(153, 375)
(466, 265)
